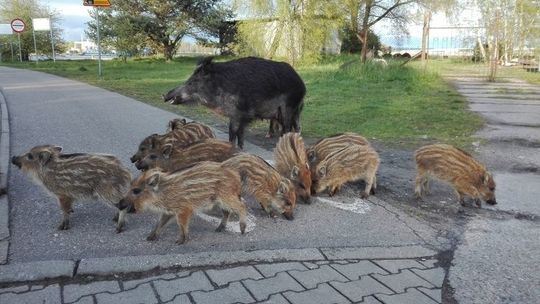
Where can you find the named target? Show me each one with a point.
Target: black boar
(243, 90)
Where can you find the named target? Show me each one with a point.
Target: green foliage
(160, 24)
(26, 10)
(294, 30)
(351, 44)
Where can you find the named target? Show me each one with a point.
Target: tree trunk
(365, 29)
(168, 51)
(425, 33)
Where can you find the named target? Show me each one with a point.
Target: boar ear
(167, 150)
(311, 156)
(322, 171)
(282, 188)
(294, 173)
(153, 181)
(44, 157)
(57, 149)
(183, 121)
(153, 141)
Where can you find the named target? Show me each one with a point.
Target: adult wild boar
(243, 90)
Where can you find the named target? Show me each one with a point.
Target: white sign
(41, 24)
(5, 29)
(17, 25)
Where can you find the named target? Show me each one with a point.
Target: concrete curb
(4, 168)
(36, 271)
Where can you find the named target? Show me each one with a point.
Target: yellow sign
(104, 3)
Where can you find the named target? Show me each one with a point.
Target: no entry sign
(17, 25)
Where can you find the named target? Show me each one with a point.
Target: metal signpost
(43, 24)
(17, 25)
(97, 4)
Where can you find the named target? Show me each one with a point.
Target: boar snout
(134, 159)
(492, 202)
(140, 165)
(124, 204)
(306, 199)
(288, 215)
(16, 161)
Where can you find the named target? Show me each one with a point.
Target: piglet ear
(486, 178)
(153, 181)
(44, 157)
(282, 188)
(167, 150)
(311, 156)
(322, 171)
(294, 173)
(57, 149)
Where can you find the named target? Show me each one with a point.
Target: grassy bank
(393, 104)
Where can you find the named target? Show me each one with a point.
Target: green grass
(396, 104)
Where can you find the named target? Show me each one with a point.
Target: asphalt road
(45, 109)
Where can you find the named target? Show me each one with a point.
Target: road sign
(102, 3)
(17, 25)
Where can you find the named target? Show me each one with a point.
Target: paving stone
(276, 299)
(48, 295)
(355, 270)
(412, 296)
(323, 294)
(435, 294)
(4, 218)
(428, 263)
(311, 278)
(168, 289)
(322, 262)
(310, 265)
(371, 300)
(4, 250)
(394, 266)
(85, 300)
(225, 276)
(356, 290)
(399, 282)
(180, 299)
(36, 287)
(14, 289)
(75, 291)
(140, 295)
(270, 270)
(33, 271)
(281, 282)
(435, 276)
(133, 283)
(234, 293)
(402, 252)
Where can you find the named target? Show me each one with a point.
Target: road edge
(103, 267)
(4, 170)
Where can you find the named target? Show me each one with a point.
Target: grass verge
(394, 104)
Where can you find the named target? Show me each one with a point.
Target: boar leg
(66, 205)
(370, 182)
(374, 186)
(421, 184)
(163, 221)
(232, 131)
(121, 221)
(182, 218)
(224, 221)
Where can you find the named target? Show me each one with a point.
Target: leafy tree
(351, 44)
(118, 32)
(295, 29)
(364, 14)
(165, 22)
(26, 10)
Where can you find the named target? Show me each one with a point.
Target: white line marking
(232, 226)
(356, 206)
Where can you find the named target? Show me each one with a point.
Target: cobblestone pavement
(341, 281)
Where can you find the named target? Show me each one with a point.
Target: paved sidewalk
(397, 281)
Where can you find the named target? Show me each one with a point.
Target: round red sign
(17, 25)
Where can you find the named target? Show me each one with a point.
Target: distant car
(39, 57)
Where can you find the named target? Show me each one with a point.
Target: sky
(74, 17)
